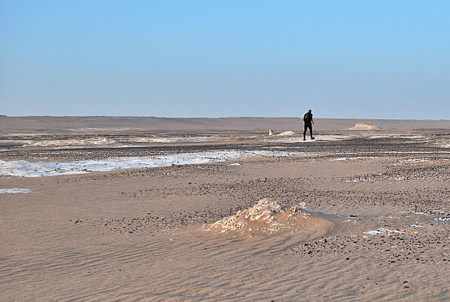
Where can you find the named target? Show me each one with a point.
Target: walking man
(308, 120)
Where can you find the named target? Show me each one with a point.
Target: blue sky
(191, 58)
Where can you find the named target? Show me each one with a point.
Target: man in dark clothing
(308, 120)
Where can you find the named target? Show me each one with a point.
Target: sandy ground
(377, 226)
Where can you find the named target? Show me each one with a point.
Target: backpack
(306, 117)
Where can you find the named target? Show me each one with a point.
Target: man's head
(309, 111)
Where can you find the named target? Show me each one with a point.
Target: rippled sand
(372, 222)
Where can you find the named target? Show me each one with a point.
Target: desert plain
(160, 209)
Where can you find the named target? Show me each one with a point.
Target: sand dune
(362, 126)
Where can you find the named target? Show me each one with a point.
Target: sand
(351, 216)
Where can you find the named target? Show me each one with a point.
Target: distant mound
(286, 133)
(269, 215)
(362, 126)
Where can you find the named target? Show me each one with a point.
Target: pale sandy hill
(269, 215)
(362, 126)
(286, 133)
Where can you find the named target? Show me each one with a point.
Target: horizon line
(218, 117)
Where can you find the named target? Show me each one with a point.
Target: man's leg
(310, 132)
(304, 132)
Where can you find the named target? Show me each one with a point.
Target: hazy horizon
(221, 117)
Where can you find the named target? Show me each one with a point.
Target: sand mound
(286, 133)
(269, 215)
(362, 126)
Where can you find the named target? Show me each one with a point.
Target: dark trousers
(310, 130)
